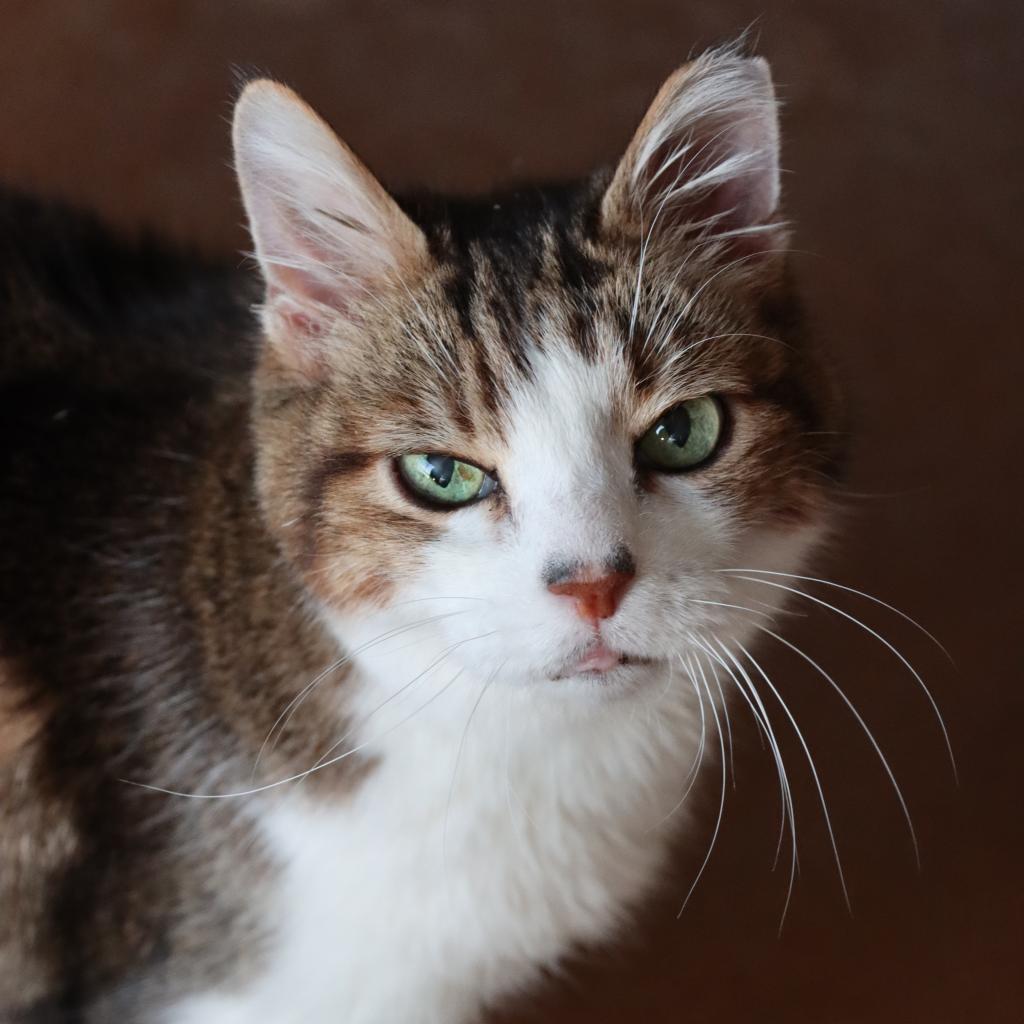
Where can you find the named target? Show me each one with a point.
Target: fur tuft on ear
(327, 235)
(704, 161)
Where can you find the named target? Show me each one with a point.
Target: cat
(363, 622)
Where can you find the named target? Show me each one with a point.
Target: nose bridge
(585, 543)
(587, 515)
(570, 472)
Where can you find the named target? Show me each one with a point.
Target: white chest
(463, 863)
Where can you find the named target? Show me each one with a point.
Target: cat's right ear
(327, 235)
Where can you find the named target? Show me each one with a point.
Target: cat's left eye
(684, 436)
(444, 481)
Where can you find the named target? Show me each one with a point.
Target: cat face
(529, 433)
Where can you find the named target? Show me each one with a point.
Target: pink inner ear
(305, 267)
(299, 332)
(302, 284)
(705, 158)
(295, 318)
(676, 196)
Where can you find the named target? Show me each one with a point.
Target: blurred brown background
(904, 130)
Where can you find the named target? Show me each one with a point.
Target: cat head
(534, 429)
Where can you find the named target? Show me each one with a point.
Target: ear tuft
(326, 233)
(705, 159)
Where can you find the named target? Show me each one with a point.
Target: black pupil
(441, 469)
(674, 427)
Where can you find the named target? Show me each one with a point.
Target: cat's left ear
(328, 236)
(704, 161)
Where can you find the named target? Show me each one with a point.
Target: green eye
(683, 437)
(444, 481)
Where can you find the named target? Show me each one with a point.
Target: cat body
(356, 658)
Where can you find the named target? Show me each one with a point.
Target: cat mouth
(598, 660)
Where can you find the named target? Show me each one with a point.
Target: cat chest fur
(467, 861)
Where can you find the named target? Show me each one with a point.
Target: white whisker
(299, 775)
(761, 717)
(794, 856)
(728, 722)
(737, 607)
(881, 639)
(814, 771)
(458, 758)
(852, 590)
(402, 689)
(694, 769)
(292, 706)
(867, 732)
(721, 805)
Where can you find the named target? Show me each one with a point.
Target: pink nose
(596, 597)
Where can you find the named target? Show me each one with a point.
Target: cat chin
(633, 679)
(628, 682)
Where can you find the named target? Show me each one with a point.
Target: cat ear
(327, 234)
(705, 160)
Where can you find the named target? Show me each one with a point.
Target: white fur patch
(435, 890)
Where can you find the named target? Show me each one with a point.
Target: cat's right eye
(443, 480)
